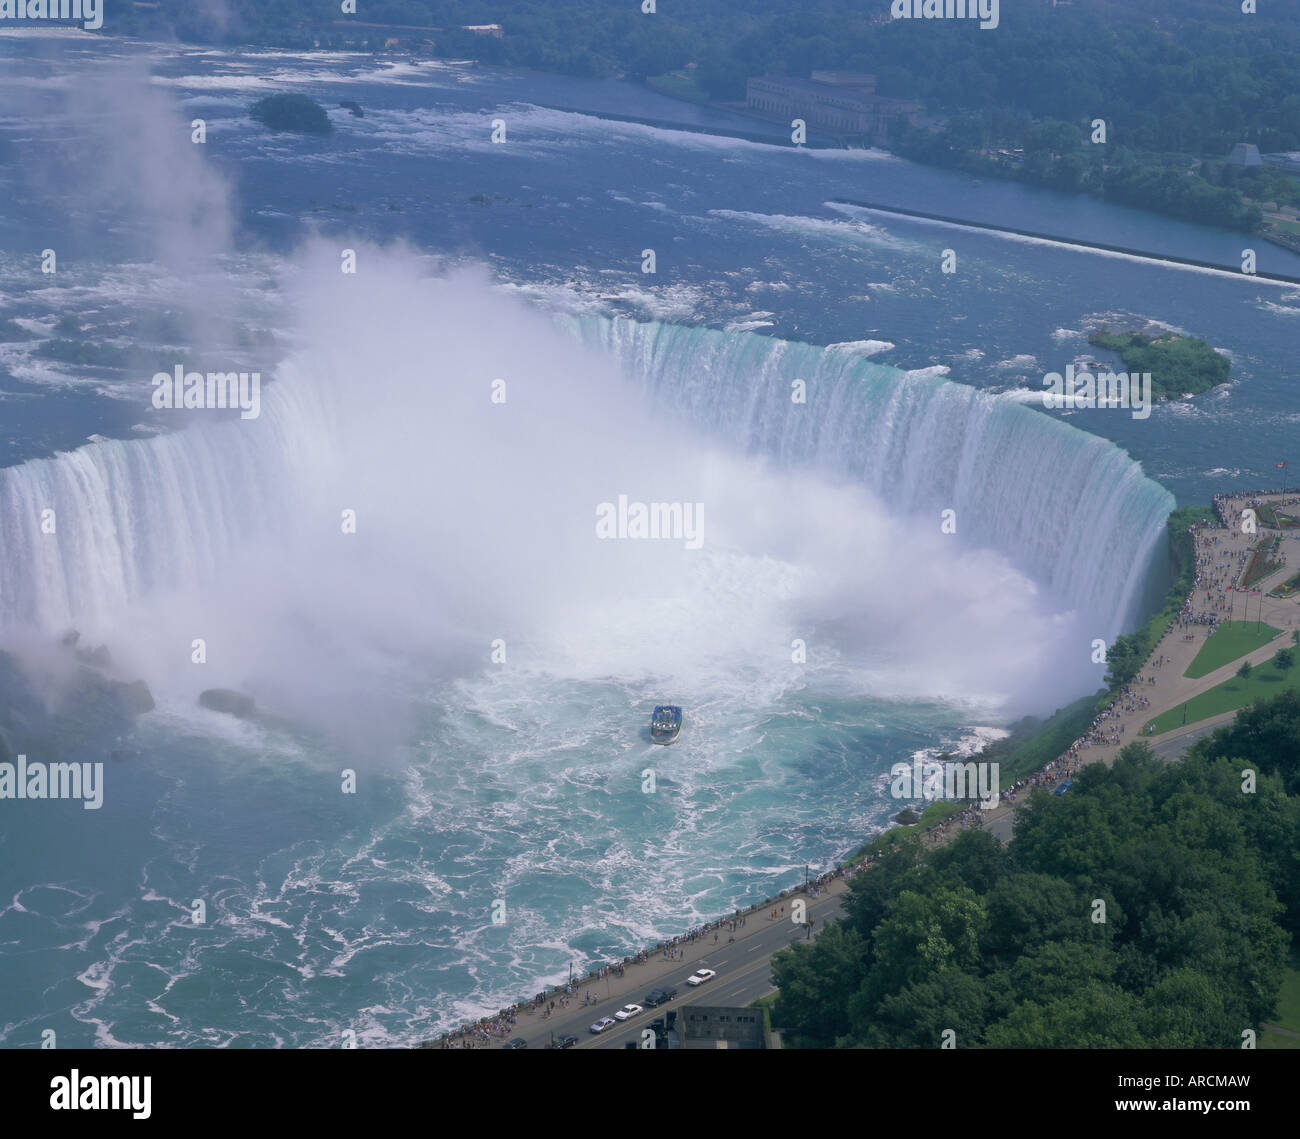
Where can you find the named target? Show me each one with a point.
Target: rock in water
(291, 113)
(135, 697)
(228, 701)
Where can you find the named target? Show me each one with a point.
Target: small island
(1179, 365)
(291, 113)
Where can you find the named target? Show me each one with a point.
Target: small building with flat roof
(716, 1026)
(1245, 154)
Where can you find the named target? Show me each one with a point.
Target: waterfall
(1070, 508)
(133, 517)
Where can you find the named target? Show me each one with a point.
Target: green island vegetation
(1250, 684)
(1230, 640)
(1179, 365)
(291, 113)
(1263, 561)
(998, 943)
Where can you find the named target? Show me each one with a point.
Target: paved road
(744, 974)
(1173, 744)
(744, 969)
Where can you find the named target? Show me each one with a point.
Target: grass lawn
(1288, 1008)
(1230, 640)
(1277, 1040)
(1284, 225)
(1271, 517)
(1288, 1005)
(1265, 680)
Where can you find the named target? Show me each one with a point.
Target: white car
(627, 1012)
(603, 1023)
(700, 976)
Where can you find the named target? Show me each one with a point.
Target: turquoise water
(522, 781)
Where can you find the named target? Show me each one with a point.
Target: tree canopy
(1152, 907)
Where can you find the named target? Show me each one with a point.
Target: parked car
(1064, 787)
(627, 1012)
(700, 976)
(515, 1042)
(603, 1023)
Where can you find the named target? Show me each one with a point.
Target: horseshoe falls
(136, 519)
(520, 778)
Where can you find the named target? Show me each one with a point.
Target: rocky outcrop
(227, 700)
(51, 710)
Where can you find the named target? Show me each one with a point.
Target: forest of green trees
(1168, 75)
(1171, 78)
(1199, 874)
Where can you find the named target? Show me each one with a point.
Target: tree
(816, 979)
(1245, 670)
(973, 858)
(1093, 1015)
(919, 1015)
(924, 933)
(1028, 909)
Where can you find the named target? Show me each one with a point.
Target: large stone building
(834, 102)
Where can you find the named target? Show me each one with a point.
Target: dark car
(657, 997)
(517, 1042)
(565, 1041)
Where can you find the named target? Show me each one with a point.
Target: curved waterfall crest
(1072, 509)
